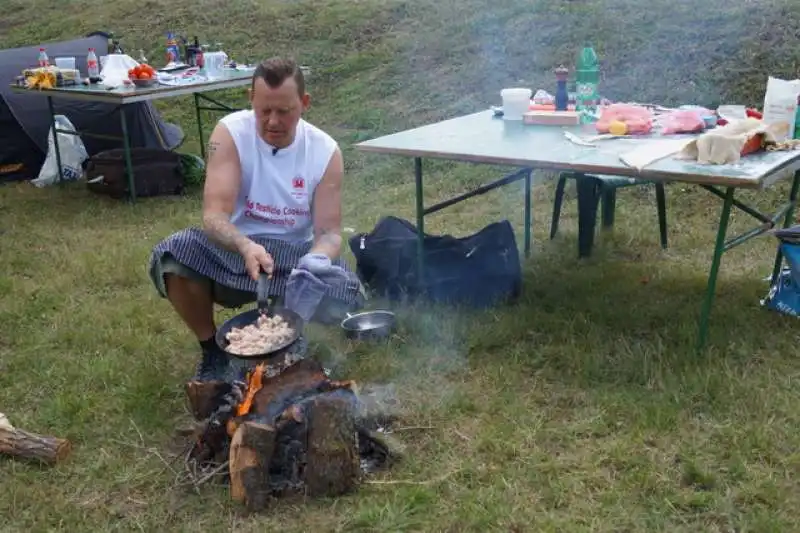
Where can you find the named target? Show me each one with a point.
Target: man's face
(277, 111)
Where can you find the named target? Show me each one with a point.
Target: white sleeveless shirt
(278, 188)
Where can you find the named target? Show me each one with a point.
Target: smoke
(416, 370)
(428, 368)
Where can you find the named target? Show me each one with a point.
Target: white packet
(780, 106)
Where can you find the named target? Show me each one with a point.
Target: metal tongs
(262, 294)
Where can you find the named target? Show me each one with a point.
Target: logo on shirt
(299, 188)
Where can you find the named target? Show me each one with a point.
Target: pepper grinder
(562, 98)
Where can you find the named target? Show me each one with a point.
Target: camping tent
(25, 118)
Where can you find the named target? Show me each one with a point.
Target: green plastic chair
(594, 189)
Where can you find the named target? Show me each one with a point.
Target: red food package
(754, 113)
(682, 121)
(638, 119)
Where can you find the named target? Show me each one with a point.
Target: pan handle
(262, 291)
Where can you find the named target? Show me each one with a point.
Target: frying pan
(241, 320)
(249, 317)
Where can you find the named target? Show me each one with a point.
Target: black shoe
(213, 365)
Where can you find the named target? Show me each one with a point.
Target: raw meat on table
(682, 121)
(638, 120)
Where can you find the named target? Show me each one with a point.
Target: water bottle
(587, 81)
(92, 68)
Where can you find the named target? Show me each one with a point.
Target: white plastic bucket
(516, 102)
(214, 63)
(66, 63)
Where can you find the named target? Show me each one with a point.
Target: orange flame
(254, 384)
(255, 380)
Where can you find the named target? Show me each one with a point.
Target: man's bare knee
(183, 287)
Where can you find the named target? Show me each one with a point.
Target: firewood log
(205, 396)
(251, 450)
(303, 375)
(22, 444)
(333, 466)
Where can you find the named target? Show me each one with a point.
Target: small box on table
(552, 118)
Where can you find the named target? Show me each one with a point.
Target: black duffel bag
(478, 271)
(155, 173)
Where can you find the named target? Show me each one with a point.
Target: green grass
(583, 408)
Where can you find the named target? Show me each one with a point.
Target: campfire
(273, 429)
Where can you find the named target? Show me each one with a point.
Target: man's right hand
(256, 260)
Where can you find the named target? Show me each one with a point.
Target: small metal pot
(369, 325)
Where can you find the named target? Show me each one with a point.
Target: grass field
(584, 408)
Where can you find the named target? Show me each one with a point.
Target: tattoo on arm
(211, 149)
(220, 230)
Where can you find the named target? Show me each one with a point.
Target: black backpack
(155, 173)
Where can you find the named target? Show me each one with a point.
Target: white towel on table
(649, 153)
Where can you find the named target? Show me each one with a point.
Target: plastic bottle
(173, 52)
(587, 80)
(562, 97)
(92, 68)
(797, 120)
(43, 60)
(198, 54)
(113, 45)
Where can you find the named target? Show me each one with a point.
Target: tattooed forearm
(219, 229)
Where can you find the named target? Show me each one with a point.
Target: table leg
(199, 125)
(126, 145)
(528, 179)
(787, 221)
(53, 128)
(420, 218)
(719, 249)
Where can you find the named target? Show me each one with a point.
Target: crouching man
(272, 203)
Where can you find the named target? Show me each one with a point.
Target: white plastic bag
(72, 152)
(115, 70)
(780, 106)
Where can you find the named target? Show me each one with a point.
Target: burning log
(19, 443)
(284, 432)
(300, 400)
(251, 452)
(304, 375)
